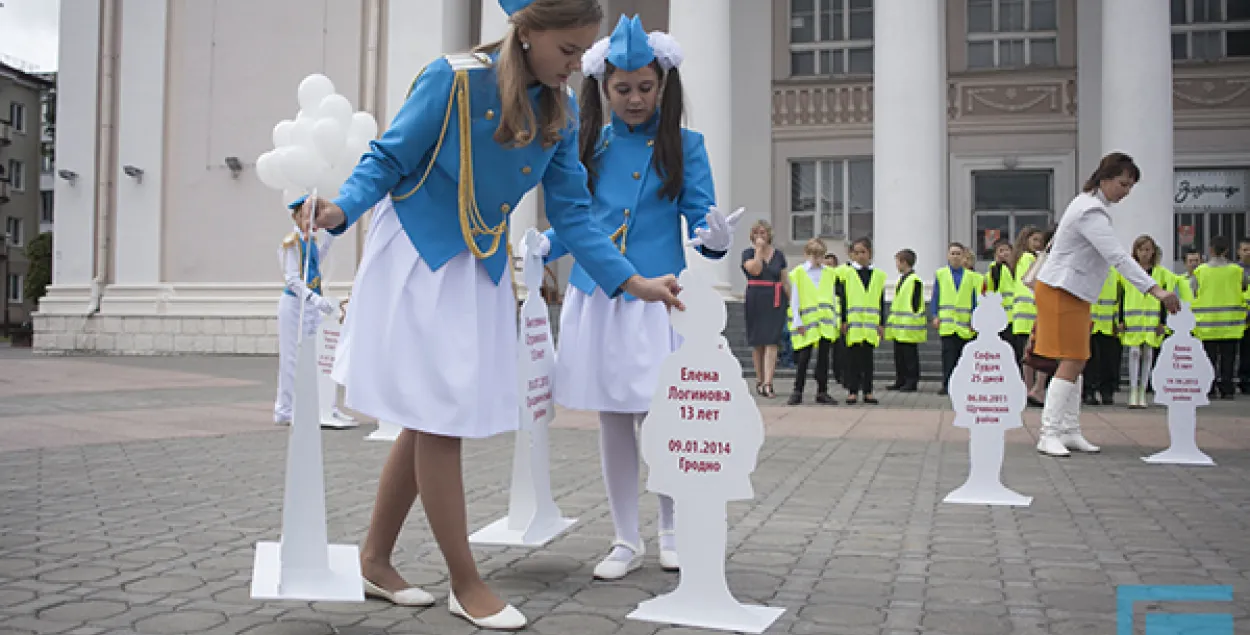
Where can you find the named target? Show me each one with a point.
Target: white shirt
(814, 272)
(1084, 250)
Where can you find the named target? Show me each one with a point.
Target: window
(15, 287)
(1006, 201)
(830, 198)
(1012, 33)
(1206, 30)
(1206, 204)
(45, 206)
(830, 37)
(17, 116)
(13, 228)
(17, 175)
(47, 157)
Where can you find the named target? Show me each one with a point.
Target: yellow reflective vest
(817, 307)
(904, 325)
(1219, 306)
(863, 307)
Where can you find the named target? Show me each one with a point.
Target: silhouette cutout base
(702, 598)
(1183, 431)
(984, 485)
(303, 565)
(385, 432)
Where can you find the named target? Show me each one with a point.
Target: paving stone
(82, 611)
(180, 622)
(965, 623)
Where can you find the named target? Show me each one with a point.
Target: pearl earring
(525, 45)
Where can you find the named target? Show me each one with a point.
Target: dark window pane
(802, 227)
(1206, 11)
(1238, 10)
(860, 61)
(1238, 43)
(1011, 15)
(1011, 190)
(1178, 11)
(803, 186)
(802, 21)
(1207, 45)
(861, 25)
(803, 63)
(990, 227)
(1042, 53)
(861, 185)
(1042, 15)
(980, 16)
(1010, 53)
(980, 55)
(831, 23)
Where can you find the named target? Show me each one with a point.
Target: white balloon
(301, 166)
(363, 125)
(312, 90)
(357, 145)
(336, 107)
(269, 170)
(302, 133)
(329, 138)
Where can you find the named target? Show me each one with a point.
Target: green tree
(39, 275)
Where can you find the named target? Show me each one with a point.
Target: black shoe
(898, 385)
(1089, 400)
(908, 387)
(823, 397)
(1108, 400)
(1035, 403)
(943, 392)
(796, 398)
(1228, 396)
(870, 400)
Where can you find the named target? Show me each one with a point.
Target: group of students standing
(837, 316)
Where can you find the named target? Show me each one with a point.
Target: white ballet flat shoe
(612, 569)
(508, 619)
(411, 596)
(668, 557)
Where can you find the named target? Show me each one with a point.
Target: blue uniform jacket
(627, 193)
(502, 174)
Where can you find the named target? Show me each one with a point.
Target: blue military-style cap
(630, 49)
(299, 201)
(512, 6)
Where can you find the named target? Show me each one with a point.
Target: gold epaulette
(291, 240)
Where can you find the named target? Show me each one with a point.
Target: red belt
(777, 286)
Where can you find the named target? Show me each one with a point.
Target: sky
(28, 33)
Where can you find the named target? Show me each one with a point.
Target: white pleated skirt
(610, 351)
(434, 351)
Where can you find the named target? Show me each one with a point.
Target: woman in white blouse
(1084, 249)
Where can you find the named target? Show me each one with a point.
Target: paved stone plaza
(133, 491)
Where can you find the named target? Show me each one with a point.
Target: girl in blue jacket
(647, 173)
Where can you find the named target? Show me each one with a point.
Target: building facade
(20, 146)
(913, 123)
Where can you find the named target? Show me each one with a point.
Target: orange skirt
(1063, 324)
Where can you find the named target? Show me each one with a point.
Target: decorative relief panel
(1046, 98)
(822, 104)
(1211, 92)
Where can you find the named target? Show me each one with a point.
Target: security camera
(133, 172)
(235, 166)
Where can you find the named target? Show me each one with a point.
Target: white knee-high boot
(1071, 435)
(1059, 395)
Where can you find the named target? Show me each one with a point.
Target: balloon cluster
(319, 148)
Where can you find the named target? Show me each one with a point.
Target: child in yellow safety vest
(813, 320)
(1023, 314)
(1220, 312)
(955, 292)
(1001, 280)
(861, 296)
(1142, 320)
(1102, 370)
(905, 326)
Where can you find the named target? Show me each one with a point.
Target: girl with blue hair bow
(647, 173)
(433, 328)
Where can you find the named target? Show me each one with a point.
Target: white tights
(1140, 362)
(618, 450)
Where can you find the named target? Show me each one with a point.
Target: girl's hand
(328, 216)
(663, 289)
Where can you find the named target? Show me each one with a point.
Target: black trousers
(1102, 371)
(859, 368)
(803, 357)
(1018, 343)
(952, 348)
(906, 365)
(1223, 355)
(1243, 365)
(837, 361)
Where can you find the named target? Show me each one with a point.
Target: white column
(417, 33)
(525, 214)
(909, 133)
(752, 126)
(1088, 88)
(77, 89)
(1137, 113)
(141, 142)
(704, 29)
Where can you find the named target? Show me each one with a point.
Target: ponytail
(669, 151)
(591, 108)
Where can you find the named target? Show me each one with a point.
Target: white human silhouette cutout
(533, 517)
(987, 394)
(701, 440)
(1181, 378)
